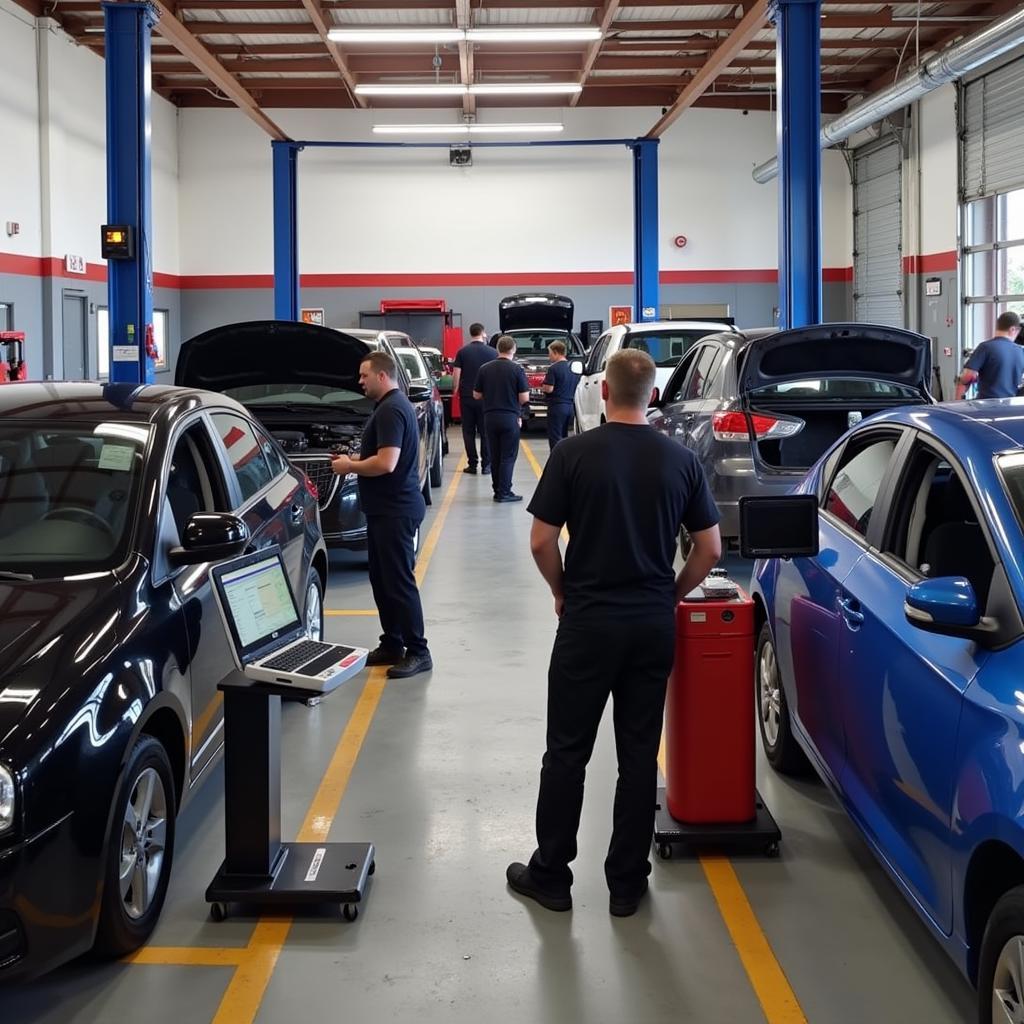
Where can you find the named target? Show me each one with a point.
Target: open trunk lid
(270, 352)
(822, 352)
(535, 309)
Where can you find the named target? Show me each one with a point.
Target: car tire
(313, 606)
(437, 465)
(130, 908)
(1002, 946)
(777, 740)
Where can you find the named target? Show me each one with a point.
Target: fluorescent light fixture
(526, 88)
(396, 35)
(544, 128)
(581, 34)
(425, 89)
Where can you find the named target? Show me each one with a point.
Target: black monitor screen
(779, 527)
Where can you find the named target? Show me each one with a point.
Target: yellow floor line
(189, 956)
(772, 988)
(241, 1001)
(531, 459)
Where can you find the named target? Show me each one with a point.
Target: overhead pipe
(952, 64)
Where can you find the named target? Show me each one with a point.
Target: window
(277, 462)
(676, 384)
(699, 376)
(244, 453)
(993, 265)
(665, 347)
(597, 354)
(161, 321)
(161, 333)
(852, 495)
(413, 363)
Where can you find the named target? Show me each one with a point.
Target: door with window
(902, 688)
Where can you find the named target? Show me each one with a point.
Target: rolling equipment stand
(258, 868)
(710, 798)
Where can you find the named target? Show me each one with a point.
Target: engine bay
(339, 438)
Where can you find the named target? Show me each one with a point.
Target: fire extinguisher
(151, 349)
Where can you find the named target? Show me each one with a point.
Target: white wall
(515, 210)
(937, 111)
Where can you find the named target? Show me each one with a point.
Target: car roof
(96, 401)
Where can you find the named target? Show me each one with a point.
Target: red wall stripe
(930, 263)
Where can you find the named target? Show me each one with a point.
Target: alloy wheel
(1008, 984)
(314, 614)
(143, 842)
(771, 698)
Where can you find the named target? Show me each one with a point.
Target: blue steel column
(286, 231)
(645, 229)
(798, 71)
(128, 28)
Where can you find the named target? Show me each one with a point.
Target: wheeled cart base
(761, 834)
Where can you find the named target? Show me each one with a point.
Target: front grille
(326, 481)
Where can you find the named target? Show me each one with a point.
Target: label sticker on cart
(348, 660)
(314, 864)
(698, 616)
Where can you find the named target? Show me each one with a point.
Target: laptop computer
(268, 637)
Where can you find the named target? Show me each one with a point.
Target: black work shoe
(509, 497)
(471, 470)
(410, 665)
(626, 906)
(521, 881)
(486, 470)
(384, 656)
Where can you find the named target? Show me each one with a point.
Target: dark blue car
(893, 661)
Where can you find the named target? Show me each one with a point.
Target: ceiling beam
(605, 17)
(753, 22)
(314, 8)
(188, 46)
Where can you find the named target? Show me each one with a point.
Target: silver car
(758, 407)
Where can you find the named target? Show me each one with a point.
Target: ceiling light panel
(396, 35)
(526, 89)
(411, 90)
(509, 34)
(514, 128)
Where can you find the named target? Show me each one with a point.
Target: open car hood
(535, 309)
(270, 352)
(822, 351)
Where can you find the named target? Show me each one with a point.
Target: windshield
(350, 399)
(413, 363)
(68, 496)
(666, 347)
(533, 345)
(434, 361)
(844, 388)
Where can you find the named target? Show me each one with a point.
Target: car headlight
(6, 799)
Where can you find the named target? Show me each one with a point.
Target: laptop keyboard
(298, 655)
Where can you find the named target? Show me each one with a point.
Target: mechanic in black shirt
(468, 361)
(389, 493)
(623, 490)
(560, 387)
(502, 387)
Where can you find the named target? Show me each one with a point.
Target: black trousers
(630, 660)
(559, 420)
(503, 438)
(389, 546)
(473, 424)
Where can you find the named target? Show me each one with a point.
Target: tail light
(311, 487)
(535, 380)
(732, 426)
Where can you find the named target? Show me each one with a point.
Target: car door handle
(850, 610)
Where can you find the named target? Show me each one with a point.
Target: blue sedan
(893, 662)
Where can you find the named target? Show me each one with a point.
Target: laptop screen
(258, 602)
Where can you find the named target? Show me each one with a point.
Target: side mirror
(783, 527)
(947, 606)
(420, 393)
(210, 537)
(577, 367)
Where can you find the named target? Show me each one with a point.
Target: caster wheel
(218, 912)
(771, 850)
(372, 868)
(349, 911)
(664, 851)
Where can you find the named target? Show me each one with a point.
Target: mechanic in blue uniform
(560, 387)
(389, 493)
(502, 387)
(623, 490)
(997, 364)
(468, 361)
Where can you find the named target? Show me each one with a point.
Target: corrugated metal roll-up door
(877, 234)
(992, 125)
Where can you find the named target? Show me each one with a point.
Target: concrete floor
(445, 785)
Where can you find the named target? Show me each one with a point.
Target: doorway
(76, 337)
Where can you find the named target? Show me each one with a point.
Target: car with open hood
(534, 320)
(759, 407)
(115, 501)
(301, 381)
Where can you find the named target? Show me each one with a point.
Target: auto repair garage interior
(324, 161)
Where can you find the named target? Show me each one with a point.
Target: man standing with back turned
(502, 387)
(389, 493)
(623, 490)
(468, 361)
(560, 387)
(997, 364)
